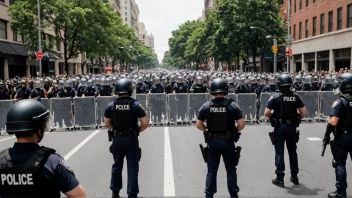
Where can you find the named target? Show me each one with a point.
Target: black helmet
(218, 85)
(123, 86)
(345, 83)
(26, 116)
(284, 80)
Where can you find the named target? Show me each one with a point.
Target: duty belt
(116, 133)
(287, 121)
(221, 135)
(343, 132)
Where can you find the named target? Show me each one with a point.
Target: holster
(297, 136)
(139, 154)
(207, 136)
(204, 152)
(110, 135)
(274, 122)
(272, 137)
(333, 150)
(238, 150)
(236, 135)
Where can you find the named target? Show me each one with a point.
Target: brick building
(322, 33)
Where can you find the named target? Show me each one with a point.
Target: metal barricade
(196, 100)
(264, 98)
(247, 103)
(327, 98)
(311, 101)
(5, 105)
(178, 106)
(157, 108)
(45, 102)
(232, 96)
(102, 103)
(142, 99)
(84, 112)
(62, 113)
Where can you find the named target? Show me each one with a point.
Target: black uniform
(37, 93)
(124, 113)
(220, 115)
(80, 90)
(181, 88)
(4, 94)
(157, 88)
(105, 90)
(142, 88)
(23, 93)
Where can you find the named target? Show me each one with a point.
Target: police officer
(4, 92)
(23, 92)
(68, 91)
(220, 115)
(285, 120)
(27, 169)
(180, 86)
(141, 87)
(121, 117)
(81, 87)
(340, 123)
(52, 93)
(198, 86)
(38, 92)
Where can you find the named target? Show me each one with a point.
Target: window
(294, 6)
(3, 29)
(126, 19)
(314, 26)
(313, 1)
(300, 4)
(331, 21)
(322, 23)
(339, 19)
(300, 30)
(290, 31)
(307, 3)
(307, 29)
(17, 37)
(58, 43)
(349, 16)
(12, 2)
(294, 32)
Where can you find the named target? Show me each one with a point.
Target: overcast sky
(161, 17)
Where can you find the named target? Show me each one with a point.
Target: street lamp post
(288, 33)
(39, 38)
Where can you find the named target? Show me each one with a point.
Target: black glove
(326, 140)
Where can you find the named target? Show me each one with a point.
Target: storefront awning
(21, 50)
(49, 56)
(5, 48)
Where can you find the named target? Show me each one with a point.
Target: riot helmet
(108, 81)
(84, 82)
(157, 80)
(344, 84)
(27, 117)
(218, 85)
(272, 81)
(61, 84)
(173, 78)
(23, 84)
(90, 83)
(124, 86)
(140, 80)
(2, 85)
(68, 85)
(253, 81)
(179, 79)
(229, 80)
(284, 80)
(307, 79)
(199, 80)
(37, 84)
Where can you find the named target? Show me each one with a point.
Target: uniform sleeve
(336, 109)
(271, 102)
(203, 112)
(139, 110)
(63, 173)
(299, 102)
(108, 111)
(236, 111)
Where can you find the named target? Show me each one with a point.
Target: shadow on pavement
(301, 189)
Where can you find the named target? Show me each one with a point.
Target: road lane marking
(9, 138)
(169, 185)
(314, 139)
(80, 145)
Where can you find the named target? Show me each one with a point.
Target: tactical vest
(199, 88)
(123, 116)
(181, 88)
(23, 94)
(25, 179)
(218, 117)
(81, 91)
(140, 88)
(286, 107)
(39, 92)
(90, 91)
(346, 120)
(327, 87)
(158, 89)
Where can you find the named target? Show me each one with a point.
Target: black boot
(336, 194)
(279, 183)
(115, 195)
(294, 180)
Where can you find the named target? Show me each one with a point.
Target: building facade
(208, 5)
(130, 14)
(18, 59)
(150, 41)
(116, 5)
(322, 34)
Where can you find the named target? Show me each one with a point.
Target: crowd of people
(160, 81)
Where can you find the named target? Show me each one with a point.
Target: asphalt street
(172, 165)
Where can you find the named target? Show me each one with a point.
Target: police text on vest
(217, 109)
(290, 99)
(123, 107)
(16, 179)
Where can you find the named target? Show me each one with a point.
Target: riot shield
(178, 105)
(62, 113)
(102, 103)
(196, 100)
(264, 98)
(5, 105)
(327, 98)
(157, 104)
(311, 101)
(232, 96)
(247, 103)
(142, 98)
(84, 112)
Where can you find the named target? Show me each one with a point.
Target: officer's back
(28, 170)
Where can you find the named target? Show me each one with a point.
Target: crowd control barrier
(67, 113)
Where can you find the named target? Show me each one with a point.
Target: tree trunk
(254, 53)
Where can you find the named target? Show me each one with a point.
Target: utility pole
(39, 38)
(275, 53)
(288, 34)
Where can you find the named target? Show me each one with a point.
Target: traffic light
(289, 52)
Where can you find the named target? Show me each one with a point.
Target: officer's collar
(25, 146)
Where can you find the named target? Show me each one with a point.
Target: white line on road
(169, 185)
(314, 139)
(74, 150)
